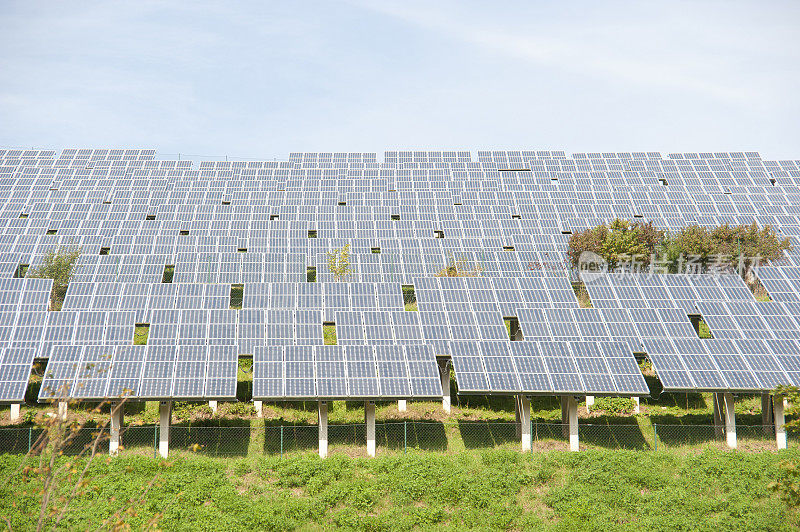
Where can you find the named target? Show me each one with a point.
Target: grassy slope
(491, 490)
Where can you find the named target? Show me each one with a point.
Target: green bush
(614, 405)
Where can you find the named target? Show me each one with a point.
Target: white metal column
(572, 407)
(444, 373)
(636, 407)
(525, 422)
(323, 429)
(259, 406)
(213, 406)
(62, 410)
(730, 421)
(116, 427)
(589, 402)
(15, 412)
(165, 415)
(780, 430)
(369, 415)
(402, 405)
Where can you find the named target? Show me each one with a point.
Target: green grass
(704, 331)
(329, 334)
(490, 490)
(237, 295)
(141, 334)
(169, 272)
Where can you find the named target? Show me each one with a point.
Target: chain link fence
(397, 437)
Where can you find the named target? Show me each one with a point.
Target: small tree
(339, 262)
(58, 265)
(460, 268)
(617, 242)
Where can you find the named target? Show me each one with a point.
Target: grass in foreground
(493, 490)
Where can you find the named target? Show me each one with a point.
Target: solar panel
(414, 218)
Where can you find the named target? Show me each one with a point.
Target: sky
(262, 79)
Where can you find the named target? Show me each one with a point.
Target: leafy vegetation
(141, 333)
(237, 296)
(339, 263)
(409, 297)
(329, 334)
(695, 247)
(460, 267)
(704, 331)
(169, 273)
(614, 405)
(492, 490)
(59, 265)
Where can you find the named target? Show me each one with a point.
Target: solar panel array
(504, 217)
(754, 345)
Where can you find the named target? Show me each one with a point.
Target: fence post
(655, 437)
(30, 438)
(281, 442)
(405, 436)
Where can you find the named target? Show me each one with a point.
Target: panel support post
(62, 410)
(766, 413)
(636, 408)
(369, 415)
(165, 415)
(15, 412)
(444, 373)
(116, 427)
(717, 407)
(323, 429)
(525, 422)
(402, 405)
(259, 406)
(780, 430)
(518, 415)
(730, 421)
(572, 405)
(213, 406)
(564, 417)
(589, 402)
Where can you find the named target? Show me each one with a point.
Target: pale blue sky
(261, 79)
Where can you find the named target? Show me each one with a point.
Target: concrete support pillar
(259, 406)
(717, 408)
(780, 430)
(213, 406)
(766, 413)
(636, 408)
(115, 440)
(165, 415)
(62, 410)
(369, 416)
(589, 402)
(730, 421)
(444, 373)
(15, 412)
(572, 408)
(402, 405)
(564, 417)
(525, 422)
(323, 429)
